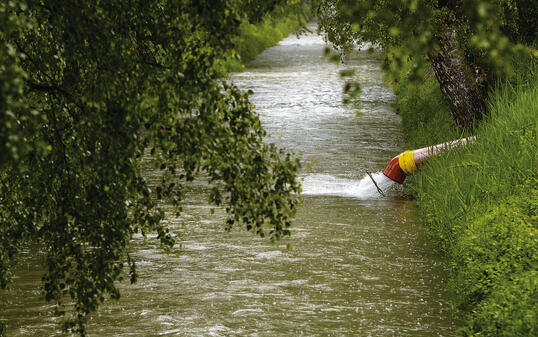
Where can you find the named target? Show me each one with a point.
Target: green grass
(481, 201)
(255, 38)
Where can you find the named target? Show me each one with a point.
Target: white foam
(325, 184)
(308, 38)
(247, 312)
(303, 40)
(269, 255)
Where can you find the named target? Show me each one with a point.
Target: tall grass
(481, 203)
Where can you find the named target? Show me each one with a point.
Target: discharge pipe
(406, 162)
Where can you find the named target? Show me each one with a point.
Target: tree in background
(466, 43)
(87, 89)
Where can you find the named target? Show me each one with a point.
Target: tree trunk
(460, 85)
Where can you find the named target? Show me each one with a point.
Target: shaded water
(360, 264)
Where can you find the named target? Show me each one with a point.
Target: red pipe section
(406, 162)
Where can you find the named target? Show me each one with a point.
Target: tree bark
(460, 84)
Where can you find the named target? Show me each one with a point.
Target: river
(360, 263)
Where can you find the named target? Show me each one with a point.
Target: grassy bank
(255, 38)
(481, 202)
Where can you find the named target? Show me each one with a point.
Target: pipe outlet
(393, 171)
(406, 162)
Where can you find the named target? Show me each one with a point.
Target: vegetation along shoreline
(90, 89)
(465, 68)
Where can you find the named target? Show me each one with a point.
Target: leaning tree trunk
(460, 85)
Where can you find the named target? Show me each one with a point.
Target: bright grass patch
(481, 201)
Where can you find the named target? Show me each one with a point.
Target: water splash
(325, 184)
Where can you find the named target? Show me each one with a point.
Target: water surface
(360, 265)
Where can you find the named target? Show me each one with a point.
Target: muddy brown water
(360, 264)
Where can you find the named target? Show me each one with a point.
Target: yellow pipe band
(406, 161)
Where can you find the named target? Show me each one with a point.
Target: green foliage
(255, 37)
(506, 243)
(87, 90)
(13, 137)
(467, 44)
(256, 10)
(413, 27)
(481, 205)
(511, 309)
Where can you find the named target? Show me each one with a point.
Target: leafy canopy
(488, 30)
(87, 88)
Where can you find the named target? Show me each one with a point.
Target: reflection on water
(360, 265)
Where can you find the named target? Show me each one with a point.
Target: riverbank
(480, 203)
(254, 38)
